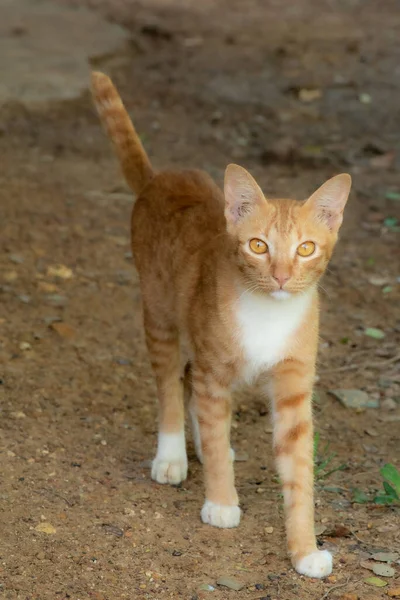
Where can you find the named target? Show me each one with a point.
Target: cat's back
(180, 195)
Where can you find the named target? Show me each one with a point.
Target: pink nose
(281, 279)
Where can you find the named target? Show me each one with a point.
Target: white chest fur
(265, 326)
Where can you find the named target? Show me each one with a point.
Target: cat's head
(282, 246)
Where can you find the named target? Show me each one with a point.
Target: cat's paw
(172, 472)
(317, 564)
(220, 515)
(170, 464)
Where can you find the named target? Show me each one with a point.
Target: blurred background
(295, 92)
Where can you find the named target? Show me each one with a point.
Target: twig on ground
(367, 365)
(53, 493)
(336, 587)
(358, 538)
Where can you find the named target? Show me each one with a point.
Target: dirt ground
(296, 92)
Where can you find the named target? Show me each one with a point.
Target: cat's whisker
(321, 287)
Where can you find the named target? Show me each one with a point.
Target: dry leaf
(385, 556)
(45, 528)
(372, 432)
(60, 271)
(310, 94)
(384, 161)
(383, 570)
(366, 564)
(354, 398)
(230, 583)
(375, 581)
(63, 329)
(319, 529)
(48, 288)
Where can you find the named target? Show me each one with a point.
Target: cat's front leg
(211, 404)
(291, 385)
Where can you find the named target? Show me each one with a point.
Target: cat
(229, 283)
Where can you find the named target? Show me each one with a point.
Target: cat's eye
(258, 246)
(306, 249)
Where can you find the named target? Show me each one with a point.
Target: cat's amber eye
(258, 246)
(306, 249)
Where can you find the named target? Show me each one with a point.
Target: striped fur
(216, 313)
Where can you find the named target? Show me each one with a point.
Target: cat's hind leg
(170, 463)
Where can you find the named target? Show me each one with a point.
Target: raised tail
(113, 114)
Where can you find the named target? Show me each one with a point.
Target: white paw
(172, 472)
(317, 564)
(219, 515)
(170, 464)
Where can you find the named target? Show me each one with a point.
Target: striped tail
(128, 147)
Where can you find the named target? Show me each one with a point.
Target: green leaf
(391, 474)
(392, 195)
(390, 222)
(360, 497)
(390, 491)
(375, 581)
(375, 333)
(383, 500)
(387, 289)
(341, 467)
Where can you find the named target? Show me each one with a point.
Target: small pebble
(268, 529)
(25, 346)
(56, 300)
(206, 587)
(389, 404)
(16, 258)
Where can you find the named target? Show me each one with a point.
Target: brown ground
(208, 83)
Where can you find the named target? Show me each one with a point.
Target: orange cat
(229, 286)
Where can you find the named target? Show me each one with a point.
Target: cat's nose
(281, 278)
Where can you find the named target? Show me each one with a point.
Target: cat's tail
(134, 161)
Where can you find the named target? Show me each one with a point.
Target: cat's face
(282, 246)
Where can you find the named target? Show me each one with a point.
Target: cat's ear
(328, 202)
(242, 194)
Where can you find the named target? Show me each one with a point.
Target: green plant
(322, 459)
(391, 488)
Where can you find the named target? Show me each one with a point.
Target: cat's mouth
(280, 294)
